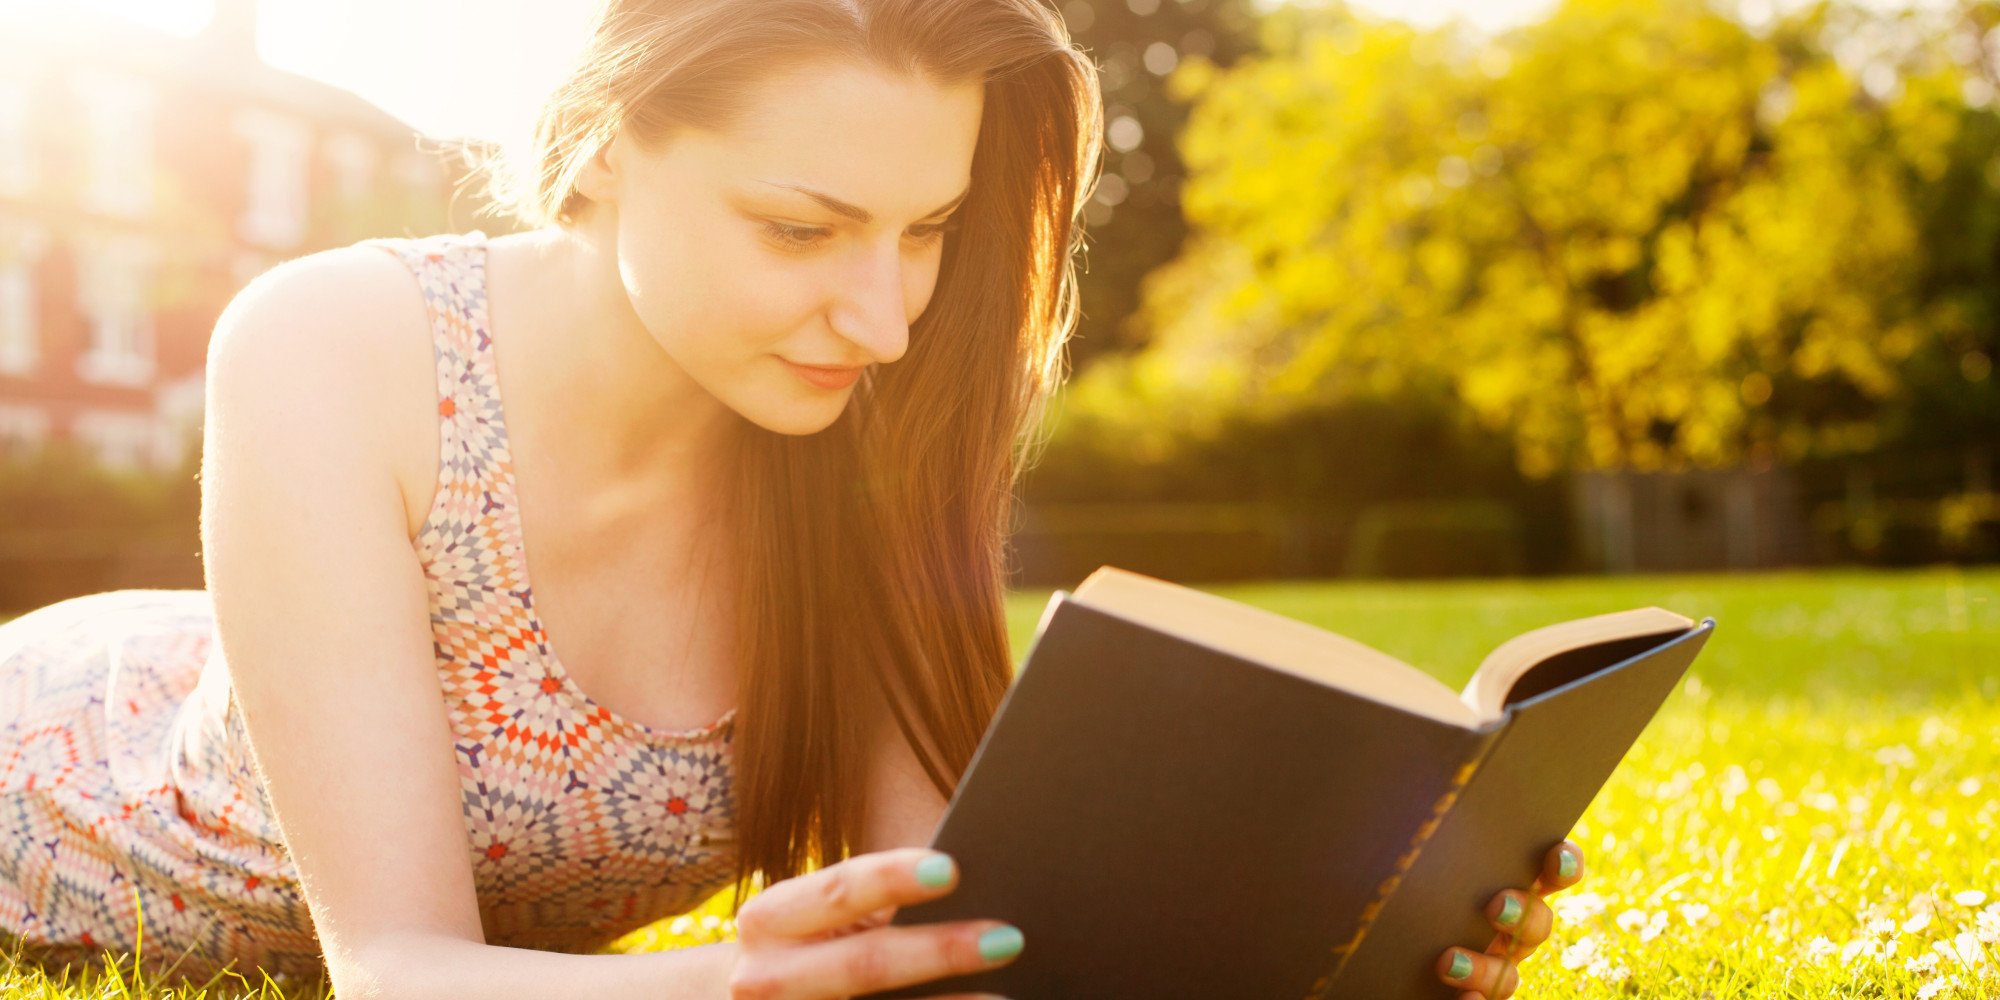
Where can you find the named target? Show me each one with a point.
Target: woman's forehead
(891, 145)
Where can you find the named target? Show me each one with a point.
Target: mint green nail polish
(934, 870)
(1566, 863)
(1461, 966)
(1510, 911)
(999, 943)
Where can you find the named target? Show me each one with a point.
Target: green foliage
(1635, 235)
(1133, 219)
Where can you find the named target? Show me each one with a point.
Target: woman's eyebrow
(856, 212)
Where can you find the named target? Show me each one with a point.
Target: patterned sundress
(127, 785)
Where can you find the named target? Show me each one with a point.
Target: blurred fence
(1057, 544)
(1901, 509)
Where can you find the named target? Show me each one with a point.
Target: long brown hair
(870, 556)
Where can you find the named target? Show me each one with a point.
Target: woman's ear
(598, 178)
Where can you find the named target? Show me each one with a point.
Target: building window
(118, 131)
(114, 284)
(275, 213)
(124, 441)
(421, 179)
(354, 161)
(20, 320)
(177, 411)
(18, 148)
(23, 430)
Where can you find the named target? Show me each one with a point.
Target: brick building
(144, 179)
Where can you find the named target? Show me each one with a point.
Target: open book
(1185, 796)
(1289, 644)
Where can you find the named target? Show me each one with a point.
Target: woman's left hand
(1524, 922)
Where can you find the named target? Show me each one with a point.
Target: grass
(1813, 814)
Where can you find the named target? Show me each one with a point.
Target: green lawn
(1814, 814)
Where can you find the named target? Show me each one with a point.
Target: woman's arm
(323, 618)
(903, 807)
(454, 968)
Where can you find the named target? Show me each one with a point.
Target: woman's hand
(820, 936)
(1524, 922)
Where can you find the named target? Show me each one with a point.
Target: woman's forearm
(446, 969)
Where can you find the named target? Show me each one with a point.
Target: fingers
(1524, 918)
(1480, 975)
(831, 899)
(1524, 921)
(1562, 868)
(873, 920)
(880, 959)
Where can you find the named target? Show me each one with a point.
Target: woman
(799, 284)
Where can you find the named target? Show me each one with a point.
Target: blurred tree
(1637, 234)
(1134, 220)
(1953, 75)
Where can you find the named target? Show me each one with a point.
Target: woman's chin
(799, 418)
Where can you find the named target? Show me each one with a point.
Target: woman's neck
(588, 388)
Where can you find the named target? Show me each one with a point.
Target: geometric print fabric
(126, 781)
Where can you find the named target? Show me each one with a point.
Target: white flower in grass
(1921, 964)
(1820, 947)
(1930, 989)
(1896, 756)
(1881, 927)
(1965, 949)
(1860, 948)
(1916, 923)
(1576, 906)
(710, 922)
(1604, 969)
(1986, 926)
(681, 925)
(1580, 954)
(1970, 897)
(1647, 925)
(1694, 913)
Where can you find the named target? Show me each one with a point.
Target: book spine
(1345, 949)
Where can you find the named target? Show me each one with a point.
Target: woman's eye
(931, 234)
(796, 237)
(807, 237)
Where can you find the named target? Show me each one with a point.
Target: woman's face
(809, 236)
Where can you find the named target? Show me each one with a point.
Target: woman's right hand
(821, 935)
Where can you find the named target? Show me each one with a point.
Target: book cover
(1164, 819)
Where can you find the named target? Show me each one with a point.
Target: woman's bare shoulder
(349, 321)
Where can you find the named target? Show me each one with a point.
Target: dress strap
(450, 269)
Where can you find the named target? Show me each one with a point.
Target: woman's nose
(871, 309)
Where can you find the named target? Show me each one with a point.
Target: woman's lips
(825, 378)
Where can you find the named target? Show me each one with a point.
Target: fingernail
(1566, 863)
(1461, 965)
(999, 943)
(1510, 911)
(934, 870)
